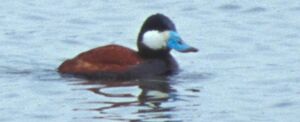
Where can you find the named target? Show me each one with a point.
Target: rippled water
(247, 69)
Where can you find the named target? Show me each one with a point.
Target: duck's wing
(110, 58)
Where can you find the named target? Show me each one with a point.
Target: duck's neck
(154, 54)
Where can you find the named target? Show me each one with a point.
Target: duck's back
(110, 58)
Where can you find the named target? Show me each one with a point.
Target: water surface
(247, 69)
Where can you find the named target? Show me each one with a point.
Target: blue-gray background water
(247, 68)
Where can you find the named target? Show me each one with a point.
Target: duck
(156, 38)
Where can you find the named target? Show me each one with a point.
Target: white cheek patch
(155, 40)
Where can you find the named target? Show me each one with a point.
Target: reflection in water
(153, 94)
(149, 100)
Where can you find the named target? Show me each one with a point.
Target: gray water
(247, 69)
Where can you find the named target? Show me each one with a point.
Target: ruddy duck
(156, 38)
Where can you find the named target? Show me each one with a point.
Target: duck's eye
(180, 42)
